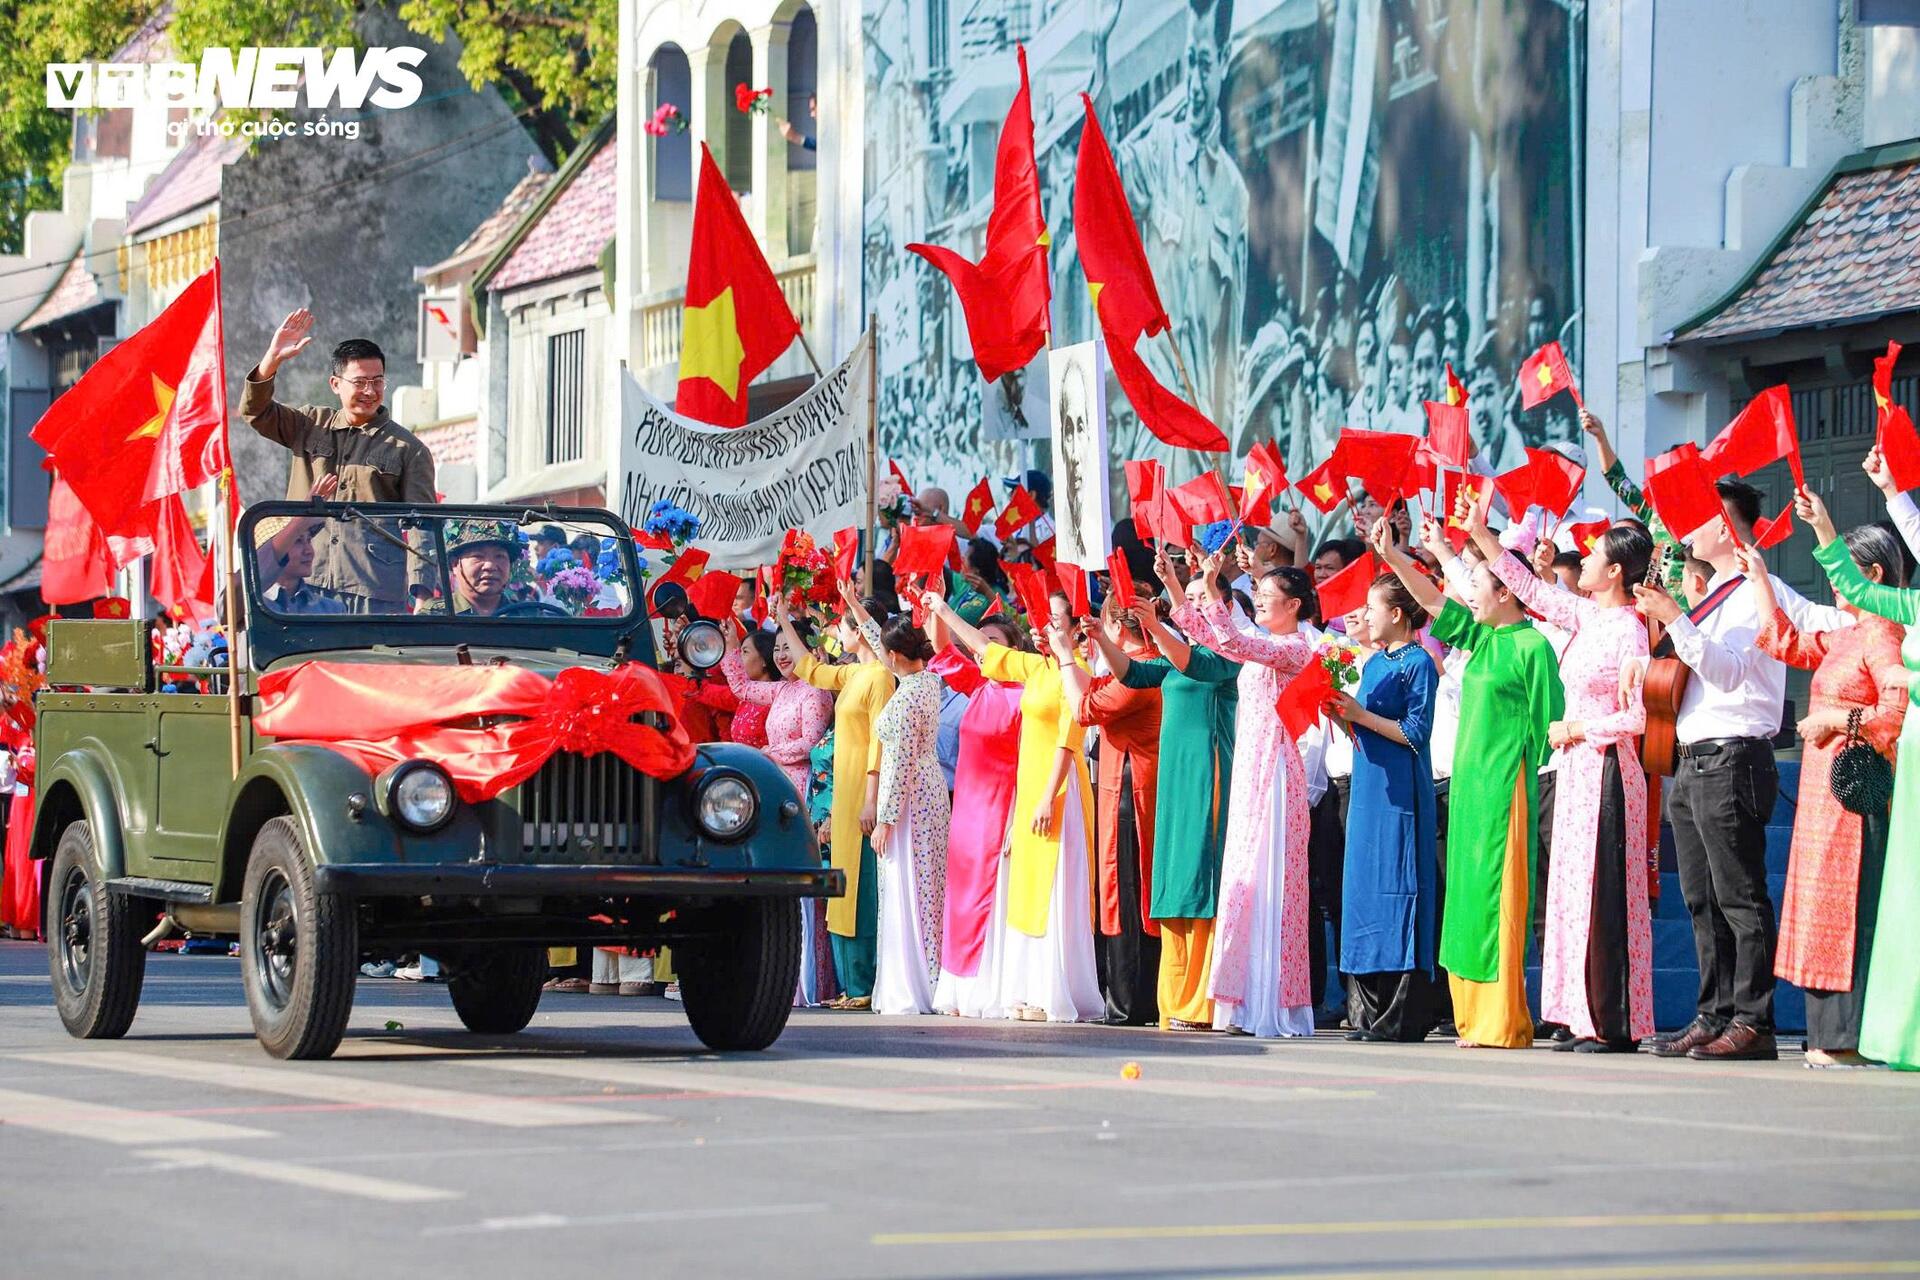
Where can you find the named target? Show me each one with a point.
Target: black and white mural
(1337, 197)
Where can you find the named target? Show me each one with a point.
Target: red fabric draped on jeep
(382, 713)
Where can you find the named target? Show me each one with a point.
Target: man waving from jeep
(372, 458)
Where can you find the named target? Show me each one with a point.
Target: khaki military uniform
(378, 462)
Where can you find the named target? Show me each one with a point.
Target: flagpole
(873, 451)
(223, 515)
(1180, 363)
(818, 372)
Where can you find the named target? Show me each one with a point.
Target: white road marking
(318, 1086)
(118, 1125)
(1385, 1072)
(553, 1221)
(970, 1070)
(710, 1077)
(299, 1175)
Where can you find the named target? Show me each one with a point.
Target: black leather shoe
(1698, 1033)
(1740, 1042)
(1607, 1046)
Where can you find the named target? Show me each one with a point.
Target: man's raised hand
(289, 340)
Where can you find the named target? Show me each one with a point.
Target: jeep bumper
(486, 880)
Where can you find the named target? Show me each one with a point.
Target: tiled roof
(498, 225)
(572, 231)
(191, 179)
(1854, 256)
(74, 291)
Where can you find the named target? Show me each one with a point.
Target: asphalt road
(604, 1141)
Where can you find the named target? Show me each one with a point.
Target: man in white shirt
(1725, 783)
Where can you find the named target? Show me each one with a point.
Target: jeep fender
(79, 785)
(780, 840)
(311, 784)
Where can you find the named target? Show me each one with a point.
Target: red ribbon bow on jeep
(490, 728)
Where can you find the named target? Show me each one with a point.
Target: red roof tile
(1856, 256)
(191, 179)
(73, 292)
(572, 231)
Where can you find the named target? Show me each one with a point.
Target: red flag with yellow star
(1005, 295)
(978, 506)
(1266, 476)
(149, 419)
(1324, 486)
(1021, 510)
(736, 321)
(1545, 374)
(1125, 298)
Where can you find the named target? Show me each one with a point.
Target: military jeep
(315, 862)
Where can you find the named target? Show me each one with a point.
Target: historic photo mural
(1337, 198)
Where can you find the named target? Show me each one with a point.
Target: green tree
(35, 139)
(553, 59)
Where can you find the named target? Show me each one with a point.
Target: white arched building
(803, 205)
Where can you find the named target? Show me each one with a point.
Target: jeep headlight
(726, 806)
(702, 645)
(420, 795)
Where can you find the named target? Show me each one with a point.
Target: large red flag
(1895, 437)
(75, 563)
(149, 419)
(1759, 434)
(1005, 295)
(1346, 590)
(180, 580)
(1545, 374)
(736, 321)
(1682, 494)
(1124, 295)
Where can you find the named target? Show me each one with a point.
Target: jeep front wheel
(298, 949)
(93, 943)
(738, 991)
(496, 989)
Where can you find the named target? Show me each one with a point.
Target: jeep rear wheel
(298, 949)
(739, 990)
(495, 990)
(93, 943)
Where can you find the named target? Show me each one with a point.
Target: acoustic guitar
(1665, 684)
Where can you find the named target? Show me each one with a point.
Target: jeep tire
(496, 989)
(93, 942)
(299, 949)
(738, 989)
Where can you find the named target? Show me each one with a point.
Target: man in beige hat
(284, 546)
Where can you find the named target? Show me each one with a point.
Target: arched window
(803, 80)
(670, 80)
(738, 165)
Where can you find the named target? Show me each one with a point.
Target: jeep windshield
(352, 562)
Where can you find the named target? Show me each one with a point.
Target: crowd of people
(1100, 810)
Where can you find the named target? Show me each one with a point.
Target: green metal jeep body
(589, 851)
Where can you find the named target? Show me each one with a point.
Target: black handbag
(1862, 779)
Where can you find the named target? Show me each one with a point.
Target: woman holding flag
(1390, 894)
(1596, 969)
(1047, 971)
(1199, 699)
(1510, 693)
(1262, 982)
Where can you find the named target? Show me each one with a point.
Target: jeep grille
(588, 809)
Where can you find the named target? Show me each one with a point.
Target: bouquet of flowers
(574, 588)
(607, 565)
(23, 670)
(1213, 536)
(804, 571)
(753, 102)
(559, 560)
(1342, 661)
(669, 521)
(666, 119)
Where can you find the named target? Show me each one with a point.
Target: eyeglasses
(365, 384)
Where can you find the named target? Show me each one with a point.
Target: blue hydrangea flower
(672, 521)
(556, 561)
(1214, 536)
